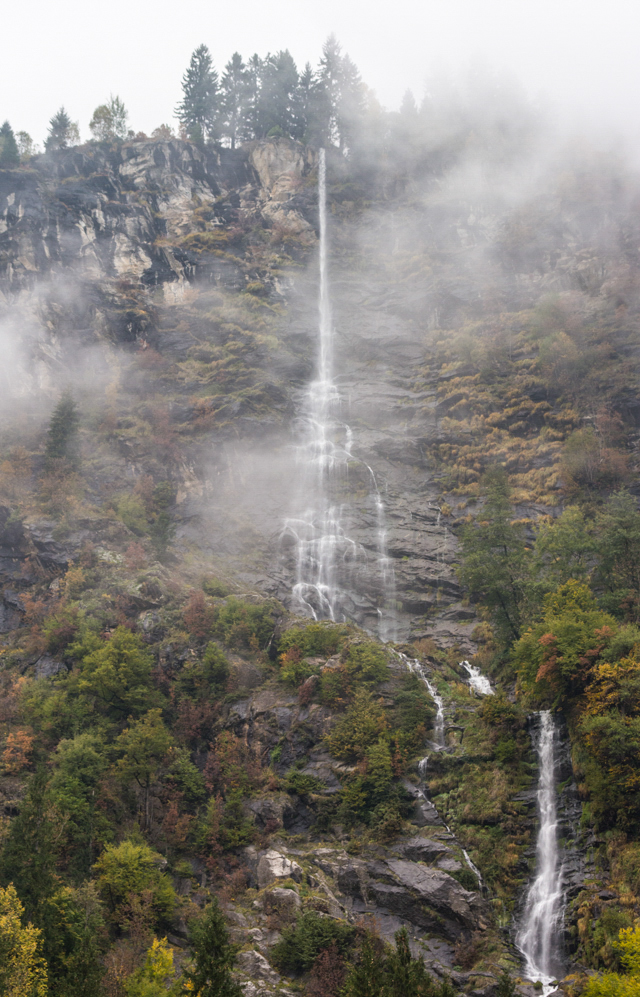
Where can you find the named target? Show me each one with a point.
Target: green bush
(366, 664)
(187, 778)
(216, 588)
(301, 785)
(359, 728)
(132, 869)
(243, 626)
(301, 943)
(215, 667)
(316, 640)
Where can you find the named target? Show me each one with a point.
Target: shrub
(294, 670)
(359, 728)
(301, 785)
(214, 587)
(366, 663)
(215, 667)
(133, 869)
(244, 626)
(61, 629)
(302, 943)
(198, 615)
(318, 639)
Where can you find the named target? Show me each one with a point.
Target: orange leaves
(198, 615)
(17, 751)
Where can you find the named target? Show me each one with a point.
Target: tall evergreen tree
(199, 108)
(279, 96)
(329, 75)
(62, 434)
(214, 955)
(28, 858)
(233, 99)
(351, 103)
(311, 108)
(63, 132)
(253, 95)
(9, 155)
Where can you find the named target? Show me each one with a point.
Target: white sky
(584, 54)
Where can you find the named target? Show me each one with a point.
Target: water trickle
(416, 668)
(331, 568)
(539, 935)
(477, 681)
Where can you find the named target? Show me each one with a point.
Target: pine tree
(62, 434)
(279, 95)
(234, 93)
(214, 955)
(9, 155)
(330, 75)
(311, 108)
(351, 103)
(29, 855)
(199, 109)
(253, 95)
(63, 132)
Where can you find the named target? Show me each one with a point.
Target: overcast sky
(581, 53)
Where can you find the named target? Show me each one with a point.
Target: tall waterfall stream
(328, 562)
(539, 935)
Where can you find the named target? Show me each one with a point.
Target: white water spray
(477, 681)
(540, 931)
(331, 568)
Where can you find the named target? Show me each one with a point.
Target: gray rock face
(425, 897)
(255, 965)
(273, 865)
(425, 849)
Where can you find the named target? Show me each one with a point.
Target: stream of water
(477, 681)
(416, 668)
(331, 568)
(539, 935)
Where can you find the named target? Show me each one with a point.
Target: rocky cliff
(175, 292)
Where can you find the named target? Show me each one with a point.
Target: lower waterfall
(539, 936)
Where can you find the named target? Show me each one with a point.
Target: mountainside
(171, 728)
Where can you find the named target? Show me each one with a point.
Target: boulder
(420, 849)
(285, 903)
(440, 891)
(254, 964)
(274, 865)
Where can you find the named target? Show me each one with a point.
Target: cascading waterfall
(416, 668)
(539, 935)
(477, 681)
(329, 563)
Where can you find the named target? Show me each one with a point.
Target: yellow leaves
(23, 972)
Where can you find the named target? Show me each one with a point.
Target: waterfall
(477, 681)
(331, 568)
(540, 932)
(416, 668)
